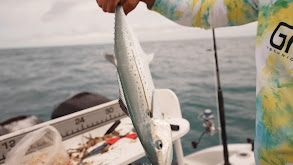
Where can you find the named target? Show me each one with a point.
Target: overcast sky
(32, 23)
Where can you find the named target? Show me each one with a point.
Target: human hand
(128, 5)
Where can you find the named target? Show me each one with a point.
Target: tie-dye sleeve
(208, 13)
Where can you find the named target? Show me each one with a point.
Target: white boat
(239, 154)
(126, 151)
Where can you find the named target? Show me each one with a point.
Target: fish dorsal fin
(111, 58)
(156, 112)
(122, 101)
(150, 57)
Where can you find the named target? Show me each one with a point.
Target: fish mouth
(162, 142)
(165, 157)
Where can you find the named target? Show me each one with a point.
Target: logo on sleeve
(282, 39)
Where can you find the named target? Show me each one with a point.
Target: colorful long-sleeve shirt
(274, 62)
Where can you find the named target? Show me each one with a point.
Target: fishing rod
(208, 117)
(221, 106)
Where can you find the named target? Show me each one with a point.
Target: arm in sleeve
(208, 13)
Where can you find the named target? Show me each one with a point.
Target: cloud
(34, 23)
(58, 9)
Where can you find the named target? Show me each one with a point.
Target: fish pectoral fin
(122, 101)
(111, 58)
(123, 107)
(150, 57)
(156, 112)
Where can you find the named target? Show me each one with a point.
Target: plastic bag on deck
(41, 147)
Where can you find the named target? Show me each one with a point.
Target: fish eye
(159, 144)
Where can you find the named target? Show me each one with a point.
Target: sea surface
(35, 80)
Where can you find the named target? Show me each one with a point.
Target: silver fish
(138, 94)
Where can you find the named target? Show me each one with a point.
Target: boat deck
(124, 151)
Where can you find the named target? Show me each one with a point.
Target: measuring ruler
(68, 126)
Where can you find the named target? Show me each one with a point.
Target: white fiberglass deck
(126, 150)
(239, 154)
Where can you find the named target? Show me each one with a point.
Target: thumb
(122, 1)
(129, 5)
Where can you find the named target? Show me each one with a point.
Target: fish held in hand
(138, 96)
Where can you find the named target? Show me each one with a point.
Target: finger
(99, 3)
(112, 5)
(104, 5)
(129, 5)
(122, 2)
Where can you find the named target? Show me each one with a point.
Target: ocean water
(35, 80)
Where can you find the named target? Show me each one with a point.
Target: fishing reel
(208, 123)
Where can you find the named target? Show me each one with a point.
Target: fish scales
(139, 93)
